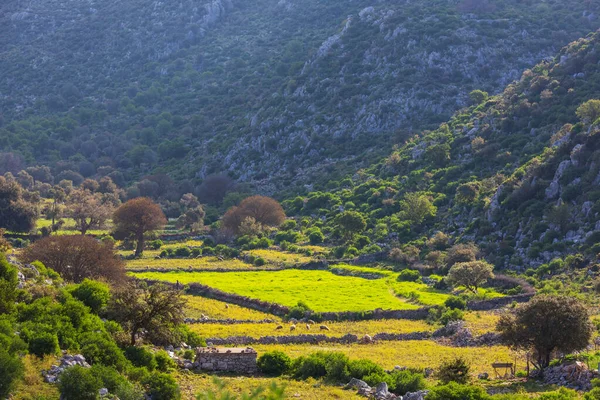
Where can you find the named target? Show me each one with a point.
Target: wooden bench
(507, 367)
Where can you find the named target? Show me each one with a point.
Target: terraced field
(214, 309)
(336, 329)
(193, 263)
(321, 290)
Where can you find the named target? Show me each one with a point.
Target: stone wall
(498, 302)
(238, 360)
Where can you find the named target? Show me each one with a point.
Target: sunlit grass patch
(418, 292)
(196, 306)
(192, 384)
(412, 354)
(336, 329)
(321, 290)
(480, 322)
(272, 256)
(33, 386)
(186, 263)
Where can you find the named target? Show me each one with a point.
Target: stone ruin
(241, 360)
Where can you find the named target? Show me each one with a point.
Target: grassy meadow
(321, 290)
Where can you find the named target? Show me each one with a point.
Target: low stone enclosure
(241, 360)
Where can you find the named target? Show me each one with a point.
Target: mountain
(517, 173)
(274, 92)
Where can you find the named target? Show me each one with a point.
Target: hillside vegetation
(266, 90)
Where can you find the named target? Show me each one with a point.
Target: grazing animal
(324, 328)
(308, 326)
(279, 327)
(310, 321)
(226, 305)
(293, 328)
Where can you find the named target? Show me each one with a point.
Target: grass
(192, 384)
(418, 292)
(481, 322)
(321, 290)
(337, 329)
(33, 386)
(69, 227)
(209, 262)
(279, 257)
(412, 354)
(196, 306)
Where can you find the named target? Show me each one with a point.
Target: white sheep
(324, 328)
(293, 328)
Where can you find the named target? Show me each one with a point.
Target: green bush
(298, 311)
(456, 370)
(99, 348)
(316, 237)
(43, 343)
(93, 294)
(360, 368)
(163, 361)
(8, 285)
(78, 383)
(156, 244)
(455, 303)
(409, 275)
(259, 261)
(141, 357)
(309, 366)
(274, 363)
(451, 315)
(336, 367)
(183, 252)
(162, 387)
(455, 391)
(11, 370)
(406, 381)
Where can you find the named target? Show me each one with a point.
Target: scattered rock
(66, 361)
(574, 375)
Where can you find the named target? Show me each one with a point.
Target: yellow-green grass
(32, 386)
(359, 269)
(272, 256)
(336, 329)
(192, 384)
(320, 290)
(69, 227)
(481, 322)
(412, 354)
(196, 306)
(420, 292)
(186, 263)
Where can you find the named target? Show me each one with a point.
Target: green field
(321, 290)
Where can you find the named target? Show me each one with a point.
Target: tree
(351, 223)
(16, 214)
(214, 188)
(137, 217)
(8, 285)
(88, 209)
(471, 274)
(11, 370)
(265, 211)
(547, 324)
(589, 111)
(76, 258)
(478, 96)
(417, 207)
(138, 306)
(192, 219)
(461, 253)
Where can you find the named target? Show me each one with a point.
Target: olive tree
(470, 274)
(547, 324)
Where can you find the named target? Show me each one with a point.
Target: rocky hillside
(267, 90)
(518, 173)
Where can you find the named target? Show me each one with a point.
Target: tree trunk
(133, 333)
(139, 249)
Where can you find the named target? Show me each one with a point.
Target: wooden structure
(507, 367)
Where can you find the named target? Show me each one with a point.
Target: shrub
(298, 311)
(310, 366)
(183, 252)
(259, 261)
(156, 244)
(406, 381)
(189, 354)
(162, 387)
(140, 357)
(376, 377)
(274, 363)
(163, 361)
(316, 237)
(11, 370)
(93, 294)
(454, 391)
(336, 367)
(409, 275)
(43, 343)
(97, 348)
(288, 225)
(455, 303)
(360, 368)
(78, 383)
(110, 377)
(450, 315)
(456, 370)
